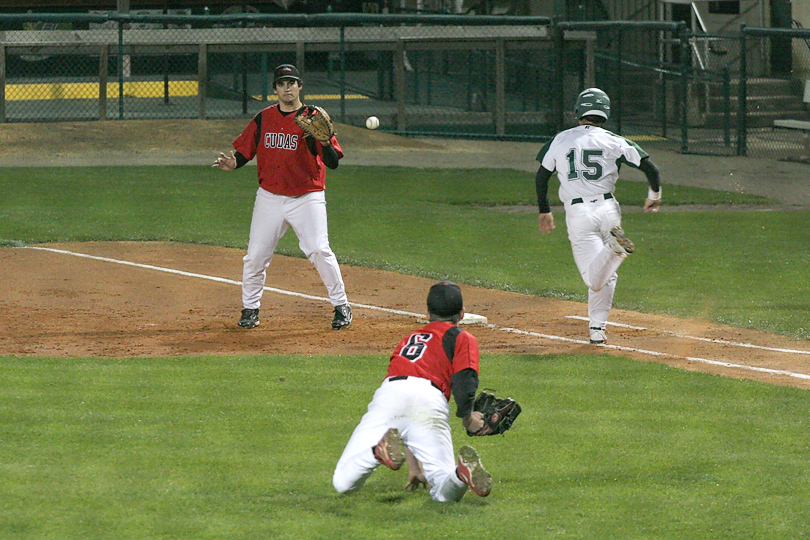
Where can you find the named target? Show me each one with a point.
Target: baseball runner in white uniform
(409, 416)
(587, 159)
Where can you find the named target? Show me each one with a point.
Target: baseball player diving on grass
(587, 159)
(292, 159)
(408, 418)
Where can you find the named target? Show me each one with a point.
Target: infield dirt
(63, 305)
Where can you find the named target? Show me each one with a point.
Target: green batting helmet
(592, 101)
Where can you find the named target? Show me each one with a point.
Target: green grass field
(244, 447)
(228, 447)
(747, 269)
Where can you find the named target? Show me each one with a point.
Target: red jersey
(286, 166)
(435, 352)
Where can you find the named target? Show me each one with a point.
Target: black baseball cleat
(343, 317)
(250, 318)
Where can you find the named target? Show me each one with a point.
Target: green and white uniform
(587, 159)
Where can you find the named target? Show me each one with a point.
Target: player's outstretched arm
(541, 186)
(225, 162)
(653, 201)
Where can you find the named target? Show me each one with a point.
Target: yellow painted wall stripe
(646, 138)
(146, 89)
(136, 89)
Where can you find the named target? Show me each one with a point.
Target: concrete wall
(801, 52)
(801, 12)
(541, 8)
(752, 13)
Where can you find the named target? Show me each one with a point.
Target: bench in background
(799, 125)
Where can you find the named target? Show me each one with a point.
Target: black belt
(579, 199)
(403, 377)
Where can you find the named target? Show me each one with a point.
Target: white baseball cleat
(619, 243)
(597, 336)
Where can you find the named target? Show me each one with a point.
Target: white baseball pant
(589, 224)
(422, 415)
(272, 216)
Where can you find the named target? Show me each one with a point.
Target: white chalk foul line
(621, 325)
(410, 314)
(214, 278)
(469, 318)
(698, 338)
(660, 354)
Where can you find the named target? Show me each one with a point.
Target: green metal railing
(463, 76)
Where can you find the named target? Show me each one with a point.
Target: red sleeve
(466, 353)
(245, 144)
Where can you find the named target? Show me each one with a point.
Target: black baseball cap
(444, 299)
(286, 71)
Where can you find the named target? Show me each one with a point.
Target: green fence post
(244, 82)
(165, 69)
(342, 74)
(120, 69)
(429, 82)
(619, 80)
(500, 87)
(468, 85)
(103, 63)
(559, 75)
(264, 78)
(726, 107)
(742, 90)
(686, 61)
(202, 80)
(2, 83)
(414, 60)
(381, 73)
(300, 63)
(664, 105)
(399, 84)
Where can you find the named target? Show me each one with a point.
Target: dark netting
(463, 76)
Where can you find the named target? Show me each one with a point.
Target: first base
(472, 318)
(469, 318)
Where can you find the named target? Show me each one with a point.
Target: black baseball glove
(499, 413)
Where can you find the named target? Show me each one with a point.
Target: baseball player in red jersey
(292, 179)
(409, 415)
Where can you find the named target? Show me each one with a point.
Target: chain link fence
(464, 76)
(642, 67)
(482, 75)
(775, 72)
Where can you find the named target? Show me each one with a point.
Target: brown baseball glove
(315, 122)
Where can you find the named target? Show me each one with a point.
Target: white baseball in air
(372, 122)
